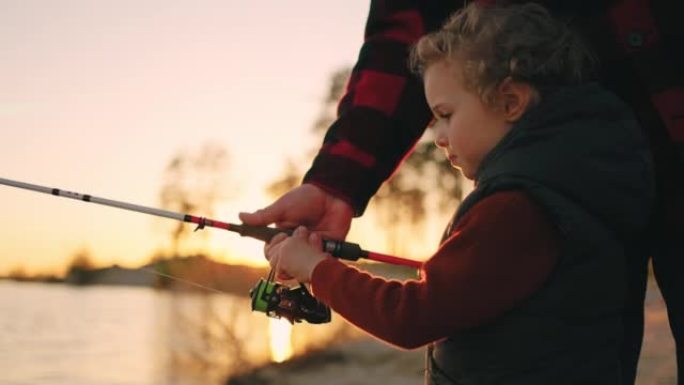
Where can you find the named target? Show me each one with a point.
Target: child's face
(465, 127)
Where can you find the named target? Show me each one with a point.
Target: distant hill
(174, 274)
(114, 275)
(236, 279)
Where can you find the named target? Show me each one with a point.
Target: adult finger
(263, 217)
(286, 224)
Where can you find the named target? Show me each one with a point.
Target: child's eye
(439, 117)
(442, 116)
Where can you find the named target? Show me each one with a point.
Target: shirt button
(635, 39)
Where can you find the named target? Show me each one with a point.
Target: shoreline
(362, 361)
(369, 361)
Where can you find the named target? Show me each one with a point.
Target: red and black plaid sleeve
(383, 113)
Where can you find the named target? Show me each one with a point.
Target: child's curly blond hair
(491, 43)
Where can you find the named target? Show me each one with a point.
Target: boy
(527, 286)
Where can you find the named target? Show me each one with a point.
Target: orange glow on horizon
(99, 99)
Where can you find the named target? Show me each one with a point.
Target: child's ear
(516, 98)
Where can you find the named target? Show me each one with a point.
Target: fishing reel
(294, 304)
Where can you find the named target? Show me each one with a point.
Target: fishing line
(155, 272)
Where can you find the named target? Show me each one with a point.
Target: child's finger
(284, 276)
(274, 261)
(269, 251)
(315, 240)
(278, 238)
(270, 248)
(301, 232)
(274, 241)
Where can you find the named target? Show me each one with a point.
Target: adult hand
(296, 256)
(306, 205)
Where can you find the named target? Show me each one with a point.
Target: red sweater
(499, 253)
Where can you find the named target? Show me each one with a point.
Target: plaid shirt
(639, 43)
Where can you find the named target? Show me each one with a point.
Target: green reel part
(262, 294)
(294, 304)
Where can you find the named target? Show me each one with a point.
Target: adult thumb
(262, 217)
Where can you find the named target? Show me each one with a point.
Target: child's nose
(440, 140)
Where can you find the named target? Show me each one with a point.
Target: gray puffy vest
(580, 155)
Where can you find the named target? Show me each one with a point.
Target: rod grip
(262, 233)
(338, 249)
(343, 250)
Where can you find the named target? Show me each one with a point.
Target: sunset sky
(97, 96)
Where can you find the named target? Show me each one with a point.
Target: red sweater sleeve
(500, 252)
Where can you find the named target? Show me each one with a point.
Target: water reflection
(211, 336)
(280, 335)
(60, 334)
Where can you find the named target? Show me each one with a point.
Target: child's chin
(465, 172)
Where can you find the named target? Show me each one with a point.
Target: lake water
(60, 334)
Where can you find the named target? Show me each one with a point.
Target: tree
(193, 183)
(82, 260)
(292, 173)
(80, 268)
(18, 274)
(290, 179)
(403, 203)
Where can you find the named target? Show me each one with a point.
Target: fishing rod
(268, 296)
(339, 249)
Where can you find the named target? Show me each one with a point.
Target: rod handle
(338, 249)
(262, 233)
(343, 250)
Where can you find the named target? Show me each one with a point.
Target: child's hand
(296, 256)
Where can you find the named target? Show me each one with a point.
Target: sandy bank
(366, 361)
